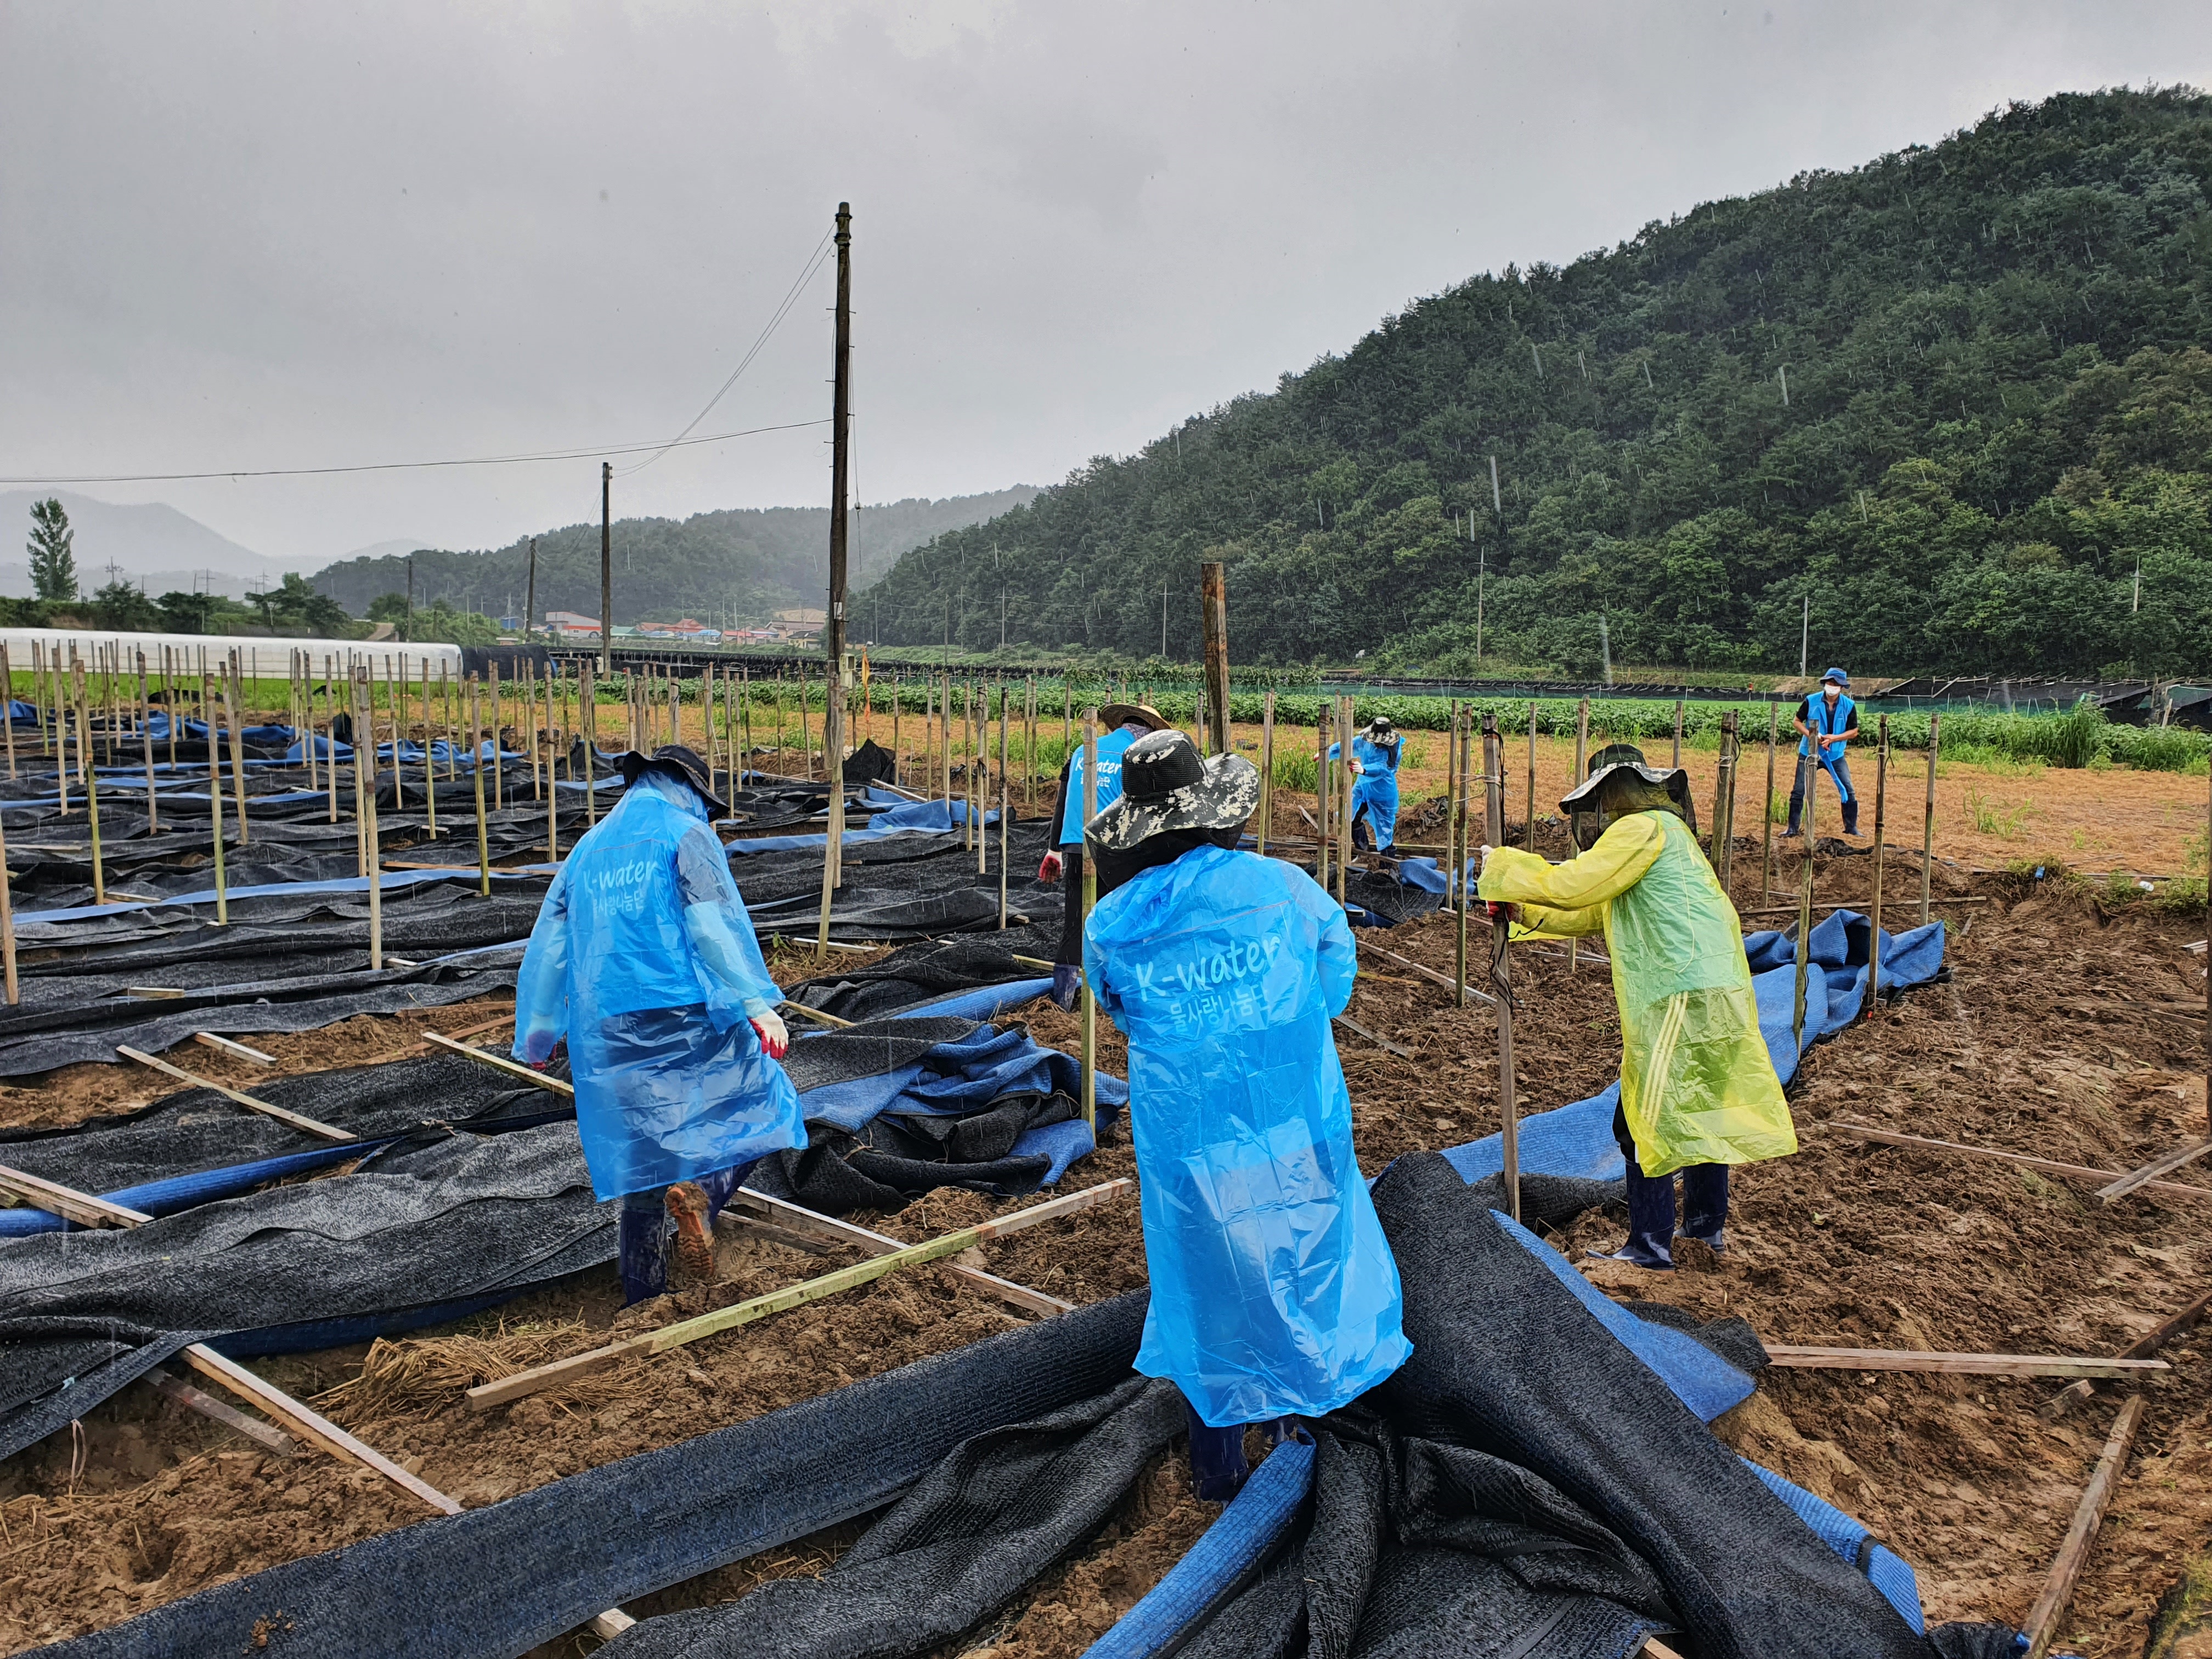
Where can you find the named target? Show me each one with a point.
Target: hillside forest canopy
(1957, 400)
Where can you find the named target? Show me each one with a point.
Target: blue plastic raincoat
(644, 959)
(1110, 745)
(1273, 1290)
(1375, 789)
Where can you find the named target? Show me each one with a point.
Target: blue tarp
(392, 879)
(902, 817)
(1577, 1140)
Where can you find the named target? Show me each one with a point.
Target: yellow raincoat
(1696, 1086)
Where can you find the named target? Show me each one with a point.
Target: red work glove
(1498, 912)
(1049, 872)
(774, 1040)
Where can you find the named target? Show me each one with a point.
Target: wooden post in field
(1006, 807)
(39, 697)
(587, 720)
(394, 684)
(430, 757)
(1266, 766)
(364, 806)
(475, 769)
(1582, 766)
(1501, 965)
(1213, 619)
(1529, 839)
(1806, 777)
(233, 716)
(61, 730)
(1456, 885)
(1766, 808)
(8, 678)
(146, 736)
(552, 779)
(498, 748)
(1029, 739)
(1724, 799)
(1928, 820)
(8, 921)
(214, 800)
(330, 729)
(91, 783)
(1089, 899)
(1880, 802)
(1321, 792)
(833, 842)
(1680, 706)
(1343, 797)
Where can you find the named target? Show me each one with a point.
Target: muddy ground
(2045, 1041)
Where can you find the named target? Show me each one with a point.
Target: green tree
(53, 561)
(120, 606)
(295, 606)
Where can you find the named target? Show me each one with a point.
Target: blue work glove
(1066, 983)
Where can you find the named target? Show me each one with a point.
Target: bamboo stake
(234, 717)
(833, 842)
(169, 705)
(1766, 808)
(476, 754)
(1006, 806)
(1501, 963)
(1344, 797)
(8, 924)
(92, 783)
(1582, 767)
(553, 783)
(485, 1395)
(1467, 782)
(1456, 844)
(364, 797)
(391, 690)
(39, 697)
(430, 758)
(1089, 899)
(1928, 818)
(8, 676)
(588, 689)
(1029, 739)
(2041, 1626)
(214, 806)
(60, 731)
(1267, 767)
(1881, 802)
(498, 748)
(1322, 795)
(1732, 760)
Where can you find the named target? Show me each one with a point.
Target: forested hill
(1957, 397)
(739, 563)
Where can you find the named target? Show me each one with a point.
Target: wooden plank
(224, 1045)
(610, 1623)
(327, 1131)
(1412, 967)
(514, 1068)
(163, 991)
(830, 1020)
(231, 1418)
(2150, 1171)
(2141, 1348)
(308, 1426)
(2048, 1166)
(1657, 1649)
(2041, 1628)
(487, 1395)
(797, 1219)
(1380, 1041)
(83, 1208)
(1972, 1365)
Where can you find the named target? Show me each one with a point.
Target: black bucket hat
(1166, 786)
(1622, 766)
(679, 761)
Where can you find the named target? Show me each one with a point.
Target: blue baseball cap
(1837, 675)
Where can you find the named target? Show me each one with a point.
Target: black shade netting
(916, 973)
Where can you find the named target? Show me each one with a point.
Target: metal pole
(475, 769)
(1501, 967)
(1089, 899)
(1928, 818)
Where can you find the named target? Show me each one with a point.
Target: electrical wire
(406, 466)
(814, 263)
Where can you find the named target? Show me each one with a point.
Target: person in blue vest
(1374, 750)
(1826, 721)
(644, 960)
(1274, 1294)
(1120, 725)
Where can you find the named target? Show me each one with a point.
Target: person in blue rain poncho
(1274, 1293)
(643, 958)
(1374, 750)
(1120, 725)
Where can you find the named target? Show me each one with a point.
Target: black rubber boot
(1704, 1204)
(1217, 1467)
(1650, 1242)
(1796, 811)
(1851, 818)
(643, 1248)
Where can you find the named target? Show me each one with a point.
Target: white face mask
(1832, 691)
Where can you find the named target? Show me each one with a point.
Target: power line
(814, 262)
(405, 466)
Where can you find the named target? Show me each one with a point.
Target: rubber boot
(721, 1185)
(1796, 811)
(1851, 818)
(1704, 1204)
(1362, 841)
(1650, 1242)
(1217, 1467)
(1067, 986)
(643, 1248)
(688, 1208)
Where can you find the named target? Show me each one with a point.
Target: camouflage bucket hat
(1166, 786)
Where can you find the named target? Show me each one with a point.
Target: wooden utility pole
(606, 569)
(1213, 607)
(833, 634)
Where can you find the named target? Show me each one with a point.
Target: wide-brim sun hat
(1623, 757)
(678, 761)
(1166, 786)
(1113, 716)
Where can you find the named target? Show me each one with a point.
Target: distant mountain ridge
(150, 544)
(735, 563)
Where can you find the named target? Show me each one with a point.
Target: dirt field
(2045, 1042)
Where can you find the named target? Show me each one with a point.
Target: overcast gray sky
(245, 235)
